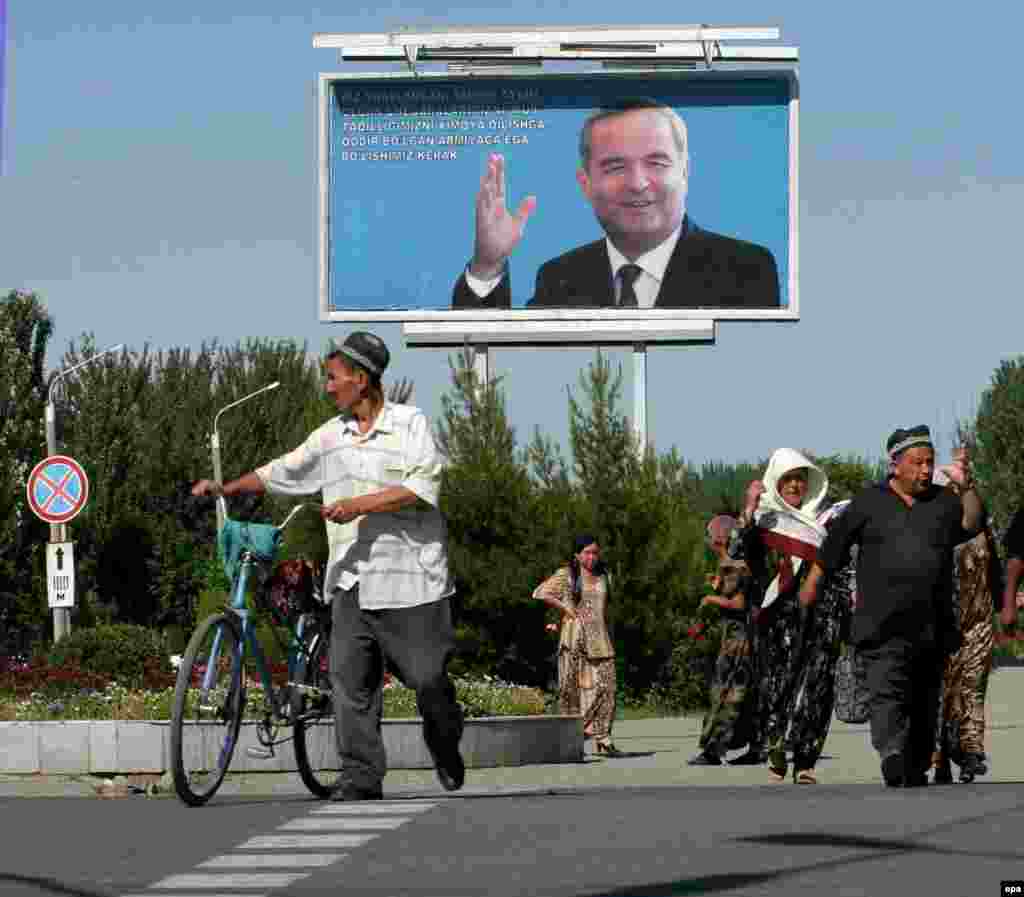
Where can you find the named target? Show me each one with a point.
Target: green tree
(995, 441)
(496, 552)
(641, 509)
(25, 331)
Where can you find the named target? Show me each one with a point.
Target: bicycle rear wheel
(313, 719)
(209, 699)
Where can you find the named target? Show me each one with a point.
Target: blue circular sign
(57, 489)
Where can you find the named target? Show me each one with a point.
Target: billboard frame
(690, 53)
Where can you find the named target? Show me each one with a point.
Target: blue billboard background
(403, 183)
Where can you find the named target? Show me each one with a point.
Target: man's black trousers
(416, 642)
(904, 678)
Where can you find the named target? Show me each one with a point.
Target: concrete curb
(120, 746)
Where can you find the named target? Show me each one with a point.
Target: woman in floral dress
(727, 721)
(586, 658)
(976, 582)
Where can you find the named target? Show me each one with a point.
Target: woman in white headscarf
(781, 528)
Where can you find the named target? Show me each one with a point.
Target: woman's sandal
(608, 749)
(777, 767)
(804, 777)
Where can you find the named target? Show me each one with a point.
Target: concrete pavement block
(20, 747)
(102, 746)
(64, 747)
(140, 747)
(403, 743)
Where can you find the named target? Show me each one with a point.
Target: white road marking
(343, 823)
(372, 809)
(295, 842)
(229, 880)
(271, 860)
(327, 827)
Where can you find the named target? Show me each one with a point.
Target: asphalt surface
(646, 824)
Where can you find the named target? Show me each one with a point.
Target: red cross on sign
(57, 489)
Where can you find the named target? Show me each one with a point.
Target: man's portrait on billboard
(634, 171)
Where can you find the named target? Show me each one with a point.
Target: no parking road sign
(57, 489)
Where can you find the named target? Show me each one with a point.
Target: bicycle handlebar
(223, 505)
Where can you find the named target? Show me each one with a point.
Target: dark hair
(579, 543)
(630, 104)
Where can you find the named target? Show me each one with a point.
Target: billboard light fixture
(596, 35)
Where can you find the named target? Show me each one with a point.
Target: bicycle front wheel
(209, 699)
(313, 718)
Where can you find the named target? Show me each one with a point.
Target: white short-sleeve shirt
(400, 558)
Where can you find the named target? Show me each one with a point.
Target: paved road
(761, 840)
(644, 825)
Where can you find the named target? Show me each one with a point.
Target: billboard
(538, 196)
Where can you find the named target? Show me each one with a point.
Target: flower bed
(41, 693)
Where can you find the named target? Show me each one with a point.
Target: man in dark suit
(634, 167)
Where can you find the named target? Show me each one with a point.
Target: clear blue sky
(159, 188)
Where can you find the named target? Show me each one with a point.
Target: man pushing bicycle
(379, 470)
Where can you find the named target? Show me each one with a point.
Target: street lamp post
(58, 531)
(215, 444)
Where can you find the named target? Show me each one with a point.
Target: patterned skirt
(727, 722)
(587, 687)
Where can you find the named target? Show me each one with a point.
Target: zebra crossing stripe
(271, 860)
(342, 824)
(375, 809)
(312, 841)
(200, 881)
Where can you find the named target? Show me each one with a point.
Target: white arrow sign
(60, 573)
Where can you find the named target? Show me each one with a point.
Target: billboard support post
(481, 356)
(640, 397)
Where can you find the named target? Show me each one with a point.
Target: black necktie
(627, 277)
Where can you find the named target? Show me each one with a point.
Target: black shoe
(750, 758)
(451, 771)
(973, 766)
(705, 758)
(450, 768)
(920, 780)
(943, 775)
(892, 771)
(346, 792)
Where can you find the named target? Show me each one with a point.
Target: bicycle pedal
(259, 753)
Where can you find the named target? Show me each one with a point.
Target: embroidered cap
(367, 350)
(901, 440)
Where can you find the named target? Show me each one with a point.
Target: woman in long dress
(781, 528)
(580, 591)
(726, 724)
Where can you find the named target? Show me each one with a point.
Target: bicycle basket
(237, 536)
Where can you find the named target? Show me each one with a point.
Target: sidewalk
(658, 749)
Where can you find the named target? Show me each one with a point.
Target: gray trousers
(904, 679)
(416, 642)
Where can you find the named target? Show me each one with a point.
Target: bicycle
(210, 695)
